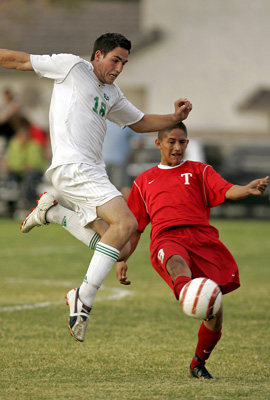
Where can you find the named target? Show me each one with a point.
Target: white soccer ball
(200, 298)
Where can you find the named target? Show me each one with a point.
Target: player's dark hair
(109, 41)
(164, 132)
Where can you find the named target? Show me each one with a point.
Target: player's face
(109, 67)
(172, 147)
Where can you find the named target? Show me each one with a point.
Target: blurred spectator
(40, 136)
(119, 148)
(25, 164)
(9, 109)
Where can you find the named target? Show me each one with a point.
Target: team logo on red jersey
(187, 175)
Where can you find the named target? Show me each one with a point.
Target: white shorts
(84, 187)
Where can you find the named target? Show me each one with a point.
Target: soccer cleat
(79, 315)
(38, 215)
(200, 372)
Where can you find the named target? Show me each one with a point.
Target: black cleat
(200, 372)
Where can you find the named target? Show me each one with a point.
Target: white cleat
(38, 215)
(79, 315)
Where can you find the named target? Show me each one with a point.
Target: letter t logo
(187, 175)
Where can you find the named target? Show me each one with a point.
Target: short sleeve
(123, 113)
(215, 187)
(54, 67)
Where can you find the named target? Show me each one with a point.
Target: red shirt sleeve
(138, 207)
(215, 187)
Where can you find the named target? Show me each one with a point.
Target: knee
(131, 225)
(125, 226)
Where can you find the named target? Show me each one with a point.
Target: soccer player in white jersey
(176, 197)
(84, 96)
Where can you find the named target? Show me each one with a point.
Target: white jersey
(79, 108)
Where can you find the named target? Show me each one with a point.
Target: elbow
(139, 130)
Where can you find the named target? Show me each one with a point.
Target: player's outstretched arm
(253, 188)
(121, 266)
(154, 123)
(15, 60)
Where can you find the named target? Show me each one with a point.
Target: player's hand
(121, 271)
(182, 109)
(258, 186)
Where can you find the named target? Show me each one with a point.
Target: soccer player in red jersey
(176, 197)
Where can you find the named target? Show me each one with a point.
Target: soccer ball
(200, 298)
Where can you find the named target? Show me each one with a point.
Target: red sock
(206, 343)
(179, 283)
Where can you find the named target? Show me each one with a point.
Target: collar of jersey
(161, 166)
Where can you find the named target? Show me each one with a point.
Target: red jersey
(177, 201)
(176, 196)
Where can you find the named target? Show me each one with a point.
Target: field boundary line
(114, 294)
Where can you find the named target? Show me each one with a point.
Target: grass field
(139, 343)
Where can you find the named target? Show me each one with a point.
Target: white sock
(102, 261)
(70, 221)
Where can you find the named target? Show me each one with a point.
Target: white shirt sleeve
(123, 113)
(54, 67)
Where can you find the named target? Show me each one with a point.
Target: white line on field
(38, 282)
(20, 307)
(115, 294)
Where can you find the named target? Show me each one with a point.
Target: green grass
(137, 347)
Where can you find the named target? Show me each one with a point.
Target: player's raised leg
(79, 315)
(49, 210)
(38, 215)
(122, 224)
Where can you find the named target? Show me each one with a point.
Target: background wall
(214, 52)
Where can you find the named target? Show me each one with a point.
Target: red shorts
(201, 248)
